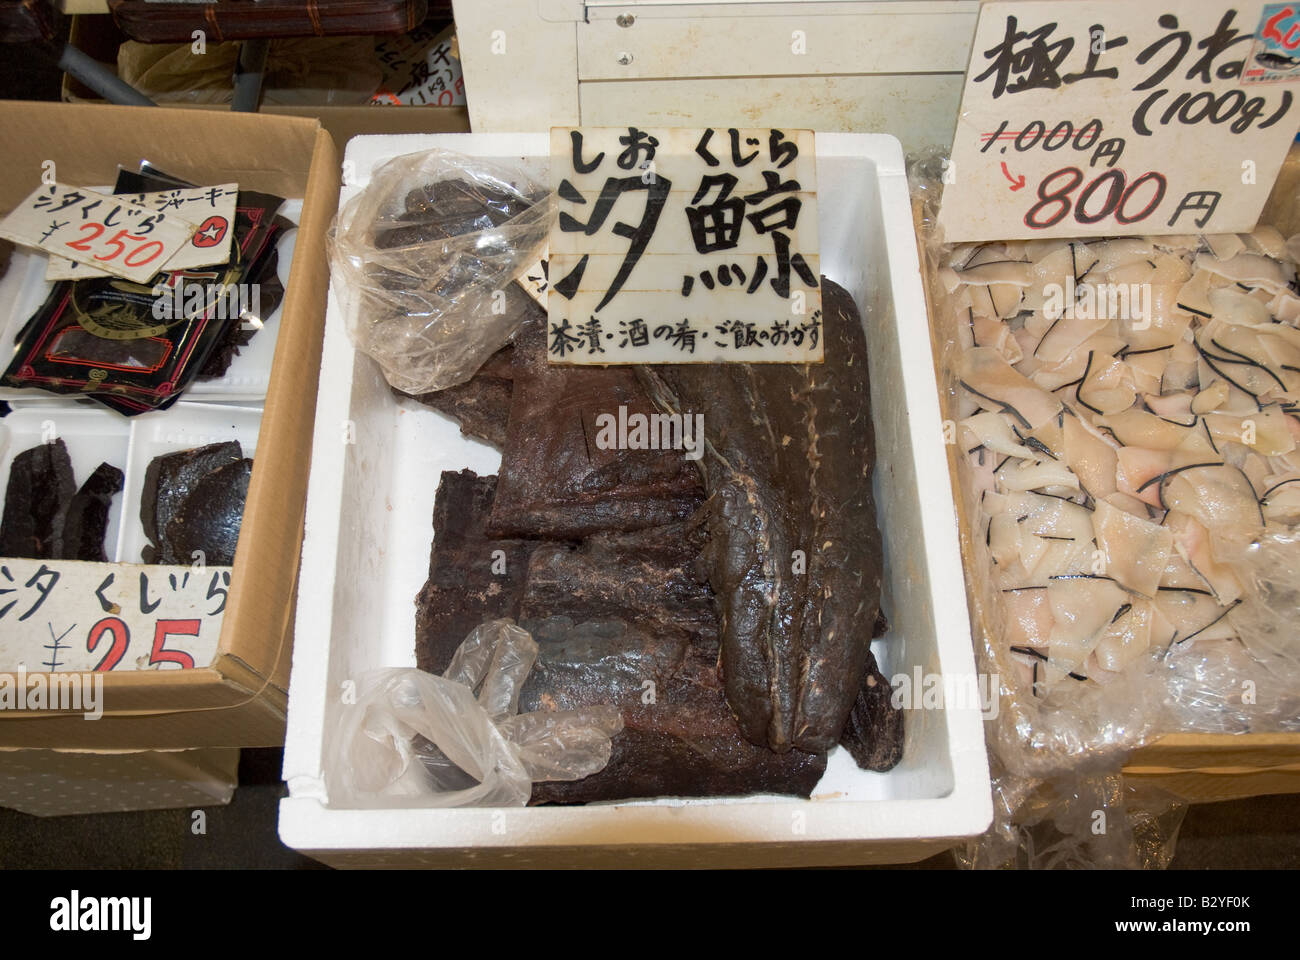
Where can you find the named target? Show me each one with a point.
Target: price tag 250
(121, 238)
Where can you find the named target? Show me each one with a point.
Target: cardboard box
(366, 553)
(97, 37)
(239, 700)
(54, 783)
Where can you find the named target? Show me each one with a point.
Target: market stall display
(567, 549)
(1123, 422)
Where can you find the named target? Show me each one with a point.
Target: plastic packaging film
(412, 739)
(434, 271)
(1123, 415)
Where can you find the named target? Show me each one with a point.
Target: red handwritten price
(107, 232)
(158, 653)
(136, 258)
(1055, 200)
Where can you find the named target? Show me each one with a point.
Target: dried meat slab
(40, 488)
(168, 481)
(556, 483)
(610, 615)
(469, 580)
(628, 624)
(83, 523)
(873, 734)
(207, 522)
(481, 405)
(788, 468)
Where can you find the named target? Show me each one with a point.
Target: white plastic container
(375, 467)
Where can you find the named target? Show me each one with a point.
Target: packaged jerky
(136, 347)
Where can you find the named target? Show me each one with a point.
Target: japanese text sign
(1105, 117)
(70, 615)
(420, 69)
(125, 239)
(684, 246)
(212, 209)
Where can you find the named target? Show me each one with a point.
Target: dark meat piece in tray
(608, 615)
(450, 208)
(83, 523)
(873, 734)
(622, 620)
(556, 483)
(208, 520)
(40, 487)
(469, 582)
(481, 405)
(168, 481)
(789, 464)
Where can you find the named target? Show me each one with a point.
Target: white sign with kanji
(212, 210)
(73, 615)
(684, 246)
(124, 239)
(1108, 117)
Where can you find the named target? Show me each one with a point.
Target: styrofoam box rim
(307, 823)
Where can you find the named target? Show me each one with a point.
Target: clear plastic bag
(433, 245)
(1088, 819)
(413, 739)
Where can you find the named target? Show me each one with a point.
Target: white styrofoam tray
(24, 288)
(375, 465)
(92, 435)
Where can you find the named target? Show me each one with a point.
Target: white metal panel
(763, 46)
(595, 9)
(520, 69)
(919, 110)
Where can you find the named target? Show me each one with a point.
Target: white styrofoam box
(50, 783)
(181, 427)
(24, 288)
(375, 466)
(93, 435)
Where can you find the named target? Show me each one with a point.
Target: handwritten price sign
(122, 238)
(212, 208)
(1104, 117)
(68, 615)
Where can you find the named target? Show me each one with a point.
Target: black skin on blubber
(794, 646)
(608, 614)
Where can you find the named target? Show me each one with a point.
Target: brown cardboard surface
(60, 782)
(240, 699)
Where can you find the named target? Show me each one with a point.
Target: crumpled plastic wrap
(432, 246)
(1058, 748)
(413, 739)
(1093, 820)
